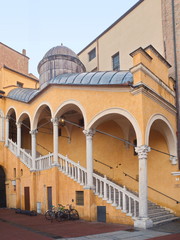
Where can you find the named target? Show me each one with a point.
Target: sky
(38, 25)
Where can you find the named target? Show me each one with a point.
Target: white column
(7, 131)
(89, 157)
(55, 122)
(18, 138)
(33, 148)
(143, 221)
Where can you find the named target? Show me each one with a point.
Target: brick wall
(167, 19)
(13, 59)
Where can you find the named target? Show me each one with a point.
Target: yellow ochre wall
(109, 151)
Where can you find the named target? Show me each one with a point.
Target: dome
(60, 50)
(58, 60)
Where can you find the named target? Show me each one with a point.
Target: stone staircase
(115, 194)
(159, 214)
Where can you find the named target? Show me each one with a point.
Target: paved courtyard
(19, 227)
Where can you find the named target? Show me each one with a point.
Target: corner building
(104, 141)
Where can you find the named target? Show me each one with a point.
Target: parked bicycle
(73, 213)
(61, 213)
(51, 214)
(67, 213)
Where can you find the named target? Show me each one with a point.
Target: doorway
(27, 198)
(2, 188)
(49, 197)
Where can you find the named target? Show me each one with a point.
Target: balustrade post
(7, 130)
(105, 188)
(143, 221)
(119, 200)
(124, 200)
(18, 138)
(55, 122)
(33, 148)
(110, 198)
(89, 157)
(78, 172)
(114, 196)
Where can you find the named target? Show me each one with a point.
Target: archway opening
(113, 150)
(2, 188)
(44, 140)
(25, 136)
(159, 165)
(12, 127)
(71, 137)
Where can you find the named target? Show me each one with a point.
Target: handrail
(43, 147)
(177, 202)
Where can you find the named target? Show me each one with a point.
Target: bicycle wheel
(60, 216)
(49, 215)
(74, 215)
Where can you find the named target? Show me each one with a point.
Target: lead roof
(75, 79)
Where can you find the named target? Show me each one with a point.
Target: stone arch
(38, 111)
(10, 110)
(162, 124)
(69, 104)
(109, 113)
(12, 116)
(23, 115)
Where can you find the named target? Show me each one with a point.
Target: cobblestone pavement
(19, 227)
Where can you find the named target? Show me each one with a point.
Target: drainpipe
(176, 79)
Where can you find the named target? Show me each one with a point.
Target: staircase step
(156, 214)
(157, 210)
(162, 217)
(165, 221)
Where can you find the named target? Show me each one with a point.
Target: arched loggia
(114, 136)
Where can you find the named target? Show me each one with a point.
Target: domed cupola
(56, 61)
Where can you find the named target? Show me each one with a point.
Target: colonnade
(142, 151)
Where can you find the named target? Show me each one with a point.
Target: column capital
(7, 117)
(173, 160)
(89, 132)
(18, 124)
(33, 132)
(55, 121)
(142, 151)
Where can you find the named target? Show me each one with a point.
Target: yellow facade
(143, 110)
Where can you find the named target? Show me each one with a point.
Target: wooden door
(49, 197)
(27, 198)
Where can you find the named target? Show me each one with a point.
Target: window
(14, 172)
(115, 62)
(92, 54)
(80, 198)
(20, 84)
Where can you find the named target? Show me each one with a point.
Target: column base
(143, 223)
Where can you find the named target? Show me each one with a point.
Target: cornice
(145, 90)
(144, 69)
